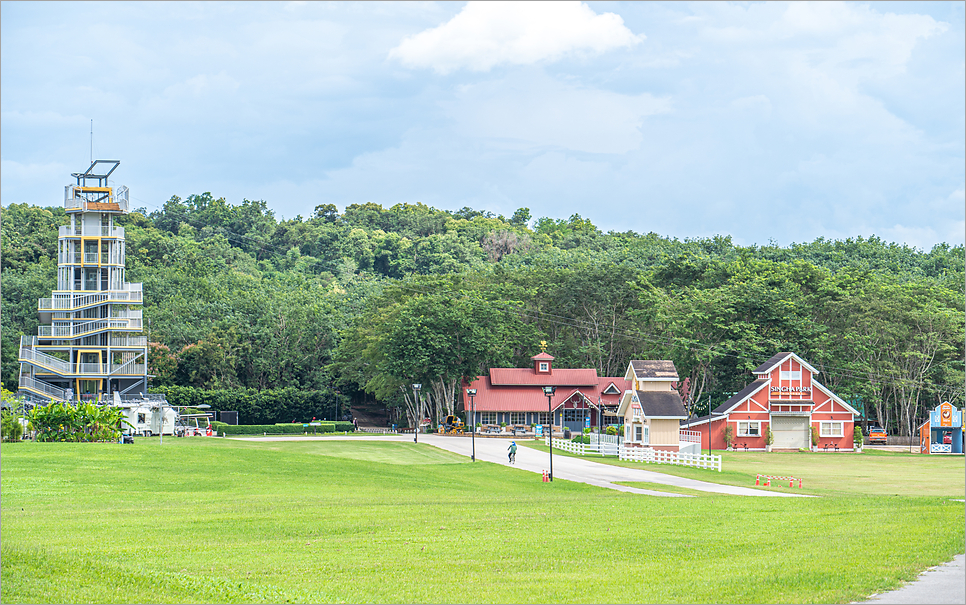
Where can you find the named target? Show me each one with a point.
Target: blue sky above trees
(781, 122)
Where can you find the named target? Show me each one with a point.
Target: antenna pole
(92, 140)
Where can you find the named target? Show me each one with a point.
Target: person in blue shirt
(513, 451)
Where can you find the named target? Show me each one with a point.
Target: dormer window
(542, 363)
(611, 390)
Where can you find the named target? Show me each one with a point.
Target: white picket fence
(646, 454)
(594, 448)
(636, 454)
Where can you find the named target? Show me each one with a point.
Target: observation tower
(90, 343)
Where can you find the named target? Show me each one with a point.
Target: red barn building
(787, 398)
(515, 396)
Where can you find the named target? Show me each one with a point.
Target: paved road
(943, 584)
(584, 470)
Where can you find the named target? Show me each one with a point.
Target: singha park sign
(791, 389)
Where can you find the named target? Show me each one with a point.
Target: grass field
(844, 474)
(215, 520)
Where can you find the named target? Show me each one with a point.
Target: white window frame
(544, 366)
(748, 424)
(544, 418)
(789, 374)
(488, 418)
(518, 417)
(827, 428)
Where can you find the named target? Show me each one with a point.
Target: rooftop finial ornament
(543, 346)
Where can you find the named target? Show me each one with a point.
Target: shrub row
(281, 428)
(258, 407)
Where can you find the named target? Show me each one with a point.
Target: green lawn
(843, 474)
(215, 520)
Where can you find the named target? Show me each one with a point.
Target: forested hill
(373, 298)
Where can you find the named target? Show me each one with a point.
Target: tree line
(355, 305)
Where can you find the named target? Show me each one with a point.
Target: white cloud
(486, 34)
(532, 109)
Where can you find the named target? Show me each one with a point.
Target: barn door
(791, 432)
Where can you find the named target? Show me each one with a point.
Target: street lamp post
(472, 394)
(419, 412)
(549, 391)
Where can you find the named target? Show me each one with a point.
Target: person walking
(513, 451)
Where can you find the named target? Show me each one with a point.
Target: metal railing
(129, 341)
(44, 360)
(74, 301)
(89, 231)
(90, 327)
(55, 364)
(30, 383)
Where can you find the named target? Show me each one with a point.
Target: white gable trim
(612, 388)
(688, 424)
(746, 398)
(804, 363)
(835, 398)
(625, 402)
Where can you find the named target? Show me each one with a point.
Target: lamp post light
(472, 394)
(549, 391)
(419, 412)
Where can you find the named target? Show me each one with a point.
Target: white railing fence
(597, 438)
(583, 449)
(650, 455)
(637, 454)
(690, 436)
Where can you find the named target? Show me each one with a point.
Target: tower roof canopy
(107, 165)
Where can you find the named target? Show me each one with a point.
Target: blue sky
(766, 122)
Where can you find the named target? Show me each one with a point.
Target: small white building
(147, 414)
(651, 409)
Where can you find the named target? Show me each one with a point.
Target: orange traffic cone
(757, 478)
(546, 479)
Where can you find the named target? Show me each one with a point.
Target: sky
(771, 123)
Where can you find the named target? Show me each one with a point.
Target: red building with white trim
(787, 398)
(515, 396)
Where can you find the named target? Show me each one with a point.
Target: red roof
(543, 357)
(529, 397)
(526, 376)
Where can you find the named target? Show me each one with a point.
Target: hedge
(280, 428)
(266, 407)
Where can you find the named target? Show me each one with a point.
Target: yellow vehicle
(451, 426)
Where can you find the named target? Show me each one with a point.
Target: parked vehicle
(877, 436)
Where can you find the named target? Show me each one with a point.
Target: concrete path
(943, 584)
(584, 470)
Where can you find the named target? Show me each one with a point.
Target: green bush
(263, 407)
(581, 439)
(88, 421)
(282, 428)
(857, 437)
(12, 429)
